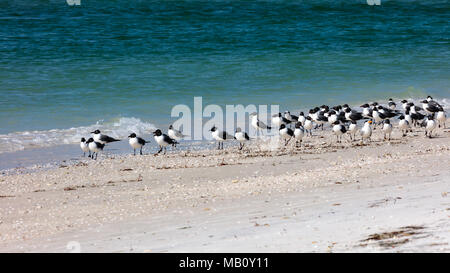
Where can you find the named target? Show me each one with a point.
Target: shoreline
(178, 201)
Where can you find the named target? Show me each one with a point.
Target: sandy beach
(386, 196)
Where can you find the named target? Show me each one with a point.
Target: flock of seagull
(342, 119)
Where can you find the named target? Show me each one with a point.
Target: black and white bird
(319, 117)
(299, 132)
(84, 147)
(103, 139)
(136, 142)
(220, 136)
(352, 115)
(278, 120)
(413, 118)
(257, 124)
(286, 133)
(301, 118)
(291, 118)
(175, 134)
(431, 106)
(404, 104)
(366, 110)
(94, 147)
(339, 130)
(241, 136)
(430, 125)
(163, 140)
(392, 104)
(352, 129)
(404, 125)
(387, 129)
(379, 114)
(366, 131)
(441, 118)
(308, 125)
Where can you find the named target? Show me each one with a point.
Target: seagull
(301, 118)
(299, 132)
(136, 142)
(366, 131)
(163, 140)
(339, 130)
(257, 124)
(242, 137)
(387, 129)
(95, 147)
(392, 104)
(308, 125)
(430, 126)
(404, 104)
(220, 136)
(175, 134)
(291, 118)
(352, 115)
(411, 117)
(84, 147)
(352, 129)
(277, 120)
(441, 118)
(103, 139)
(404, 125)
(286, 133)
(431, 106)
(367, 111)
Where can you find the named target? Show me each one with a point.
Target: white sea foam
(119, 128)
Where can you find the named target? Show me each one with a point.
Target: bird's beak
(370, 122)
(92, 132)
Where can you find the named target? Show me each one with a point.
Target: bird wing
(106, 138)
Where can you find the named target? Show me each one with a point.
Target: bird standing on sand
(366, 131)
(404, 125)
(136, 142)
(84, 147)
(299, 132)
(352, 115)
(308, 125)
(392, 104)
(387, 129)
(278, 120)
(286, 133)
(431, 106)
(242, 137)
(257, 124)
(291, 118)
(352, 129)
(339, 130)
(175, 134)
(94, 147)
(430, 125)
(441, 118)
(301, 117)
(220, 136)
(163, 140)
(103, 139)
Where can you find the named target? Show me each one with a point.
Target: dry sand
(389, 196)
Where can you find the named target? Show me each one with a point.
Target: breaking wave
(118, 128)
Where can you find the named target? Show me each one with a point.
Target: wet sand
(384, 196)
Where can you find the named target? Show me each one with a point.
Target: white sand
(318, 198)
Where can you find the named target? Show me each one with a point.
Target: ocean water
(121, 66)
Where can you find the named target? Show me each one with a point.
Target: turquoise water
(127, 63)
